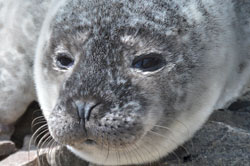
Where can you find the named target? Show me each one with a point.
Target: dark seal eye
(149, 62)
(64, 61)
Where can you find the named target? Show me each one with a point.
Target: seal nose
(84, 110)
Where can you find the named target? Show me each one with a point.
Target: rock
(21, 158)
(6, 131)
(23, 125)
(6, 148)
(27, 144)
(58, 156)
(219, 144)
(238, 119)
(26, 156)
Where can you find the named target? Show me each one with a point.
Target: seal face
(127, 82)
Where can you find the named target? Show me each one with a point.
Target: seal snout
(84, 109)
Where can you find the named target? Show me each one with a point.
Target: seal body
(20, 23)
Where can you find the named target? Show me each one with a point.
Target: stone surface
(27, 156)
(6, 131)
(6, 148)
(23, 126)
(223, 140)
(23, 158)
(219, 144)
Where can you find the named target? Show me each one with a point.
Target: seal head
(127, 82)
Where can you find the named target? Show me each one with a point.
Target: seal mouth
(90, 142)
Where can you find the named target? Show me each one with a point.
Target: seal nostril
(89, 109)
(84, 109)
(80, 109)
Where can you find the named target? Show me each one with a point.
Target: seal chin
(149, 148)
(91, 151)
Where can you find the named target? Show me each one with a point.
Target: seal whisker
(125, 155)
(152, 132)
(39, 116)
(172, 133)
(136, 153)
(182, 146)
(52, 147)
(43, 147)
(58, 158)
(46, 143)
(38, 119)
(128, 152)
(45, 131)
(44, 137)
(132, 148)
(38, 123)
(129, 145)
(161, 146)
(35, 136)
(102, 143)
(117, 156)
(50, 141)
(136, 147)
(108, 150)
(153, 147)
(188, 132)
(150, 154)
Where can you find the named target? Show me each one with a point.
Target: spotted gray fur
(139, 116)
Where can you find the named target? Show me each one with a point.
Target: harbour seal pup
(20, 23)
(127, 82)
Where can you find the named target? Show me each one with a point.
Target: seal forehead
(113, 13)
